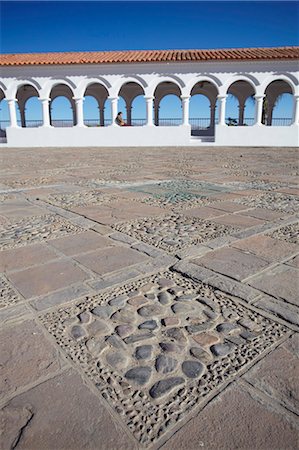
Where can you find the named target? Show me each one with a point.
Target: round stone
(85, 317)
(164, 282)
(221, 349)
(170, 347)
(182, 308)
(95, 346)
(116, 359)
(165, 386)
(144, 352)
(148, 325)
(123, 315)
(98, 327)
(176, 334)
(150, 310)
(78, 332)
(164, 298)
(200, 353)
(124, 330)
(118, 301)
(192, 369)
(227, 327)
(165, 364)
(103, 312)
(139, 375)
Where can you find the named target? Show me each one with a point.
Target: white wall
(113, 136)
(257, 136)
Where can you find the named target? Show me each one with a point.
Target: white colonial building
(261, 74)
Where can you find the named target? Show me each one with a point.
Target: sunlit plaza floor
(149, 298)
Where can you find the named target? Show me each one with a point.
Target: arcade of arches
(241, 92)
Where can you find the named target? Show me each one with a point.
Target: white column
(114, 103)
(149, 111)
(296, 110)
(185, 106)
(129, 113)
(222, 103)
(12, 112)
(102, 115)
(46, 112)
(79, 112)
(258, 109)
(212, 115)
(241, 113)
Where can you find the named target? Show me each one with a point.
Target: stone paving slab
(49, 277)
(280, 282)
(237, 420)
(111, 259)
(277, 375)
(28, 358)
(81, 243)
(20, 258)
(267, 248)
(80, 422)
(233, 263)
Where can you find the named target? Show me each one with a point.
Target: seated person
(120, 121)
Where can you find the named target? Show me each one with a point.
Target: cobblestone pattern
(289, 233)
(8, 296)
(274, 201)
(38, 181)
(80, 198)
(95, 183)
(156, 347)
(173, 232)
(35, 229)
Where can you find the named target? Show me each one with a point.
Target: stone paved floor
(149, 299)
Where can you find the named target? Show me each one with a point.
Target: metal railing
(282, 122)
(170, 122)
(200, 123)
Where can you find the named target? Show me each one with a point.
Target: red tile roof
(146, 56)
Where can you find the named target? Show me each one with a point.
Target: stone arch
(65, 91)
(51, 84)
(84, 84)
(25, 92)
(276, 91)
(198, 79)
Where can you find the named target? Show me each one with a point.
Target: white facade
(260, 79)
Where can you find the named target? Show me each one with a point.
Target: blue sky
(44, 26)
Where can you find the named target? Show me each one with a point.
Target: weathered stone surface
(139, 375)
(221, 349)
(166, 364)
(200, 354)
(103, 311)
(277, 376)
(138, 337)
(150, 311)
(170, 347)
(77, 332)
(193, 369)
(40, 280)
(240, 429)
(110, 259)
(26, 357)
(98, 327)
(77, 421)
(116, 359)
(81, 243)
(148, 325)
(118, 301)
(165, 298)
(124, 330)
(205, 339)
(165, 386)
(20, 258)
(170, 321)
(232, 262)
(227, 327)
(281, 282)
(144, 352)
(175, 333)
(267, 247)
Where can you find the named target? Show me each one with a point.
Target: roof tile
(147, 56)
